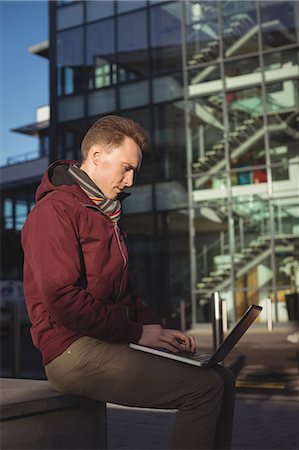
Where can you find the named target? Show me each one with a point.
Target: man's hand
(172, 340)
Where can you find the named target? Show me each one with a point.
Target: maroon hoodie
(76, 270)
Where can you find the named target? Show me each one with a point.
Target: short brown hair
(110, 131)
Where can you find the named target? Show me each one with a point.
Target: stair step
(254, 244)
(218, 146)
(241, 128)
(211, 153)
(217, 273)
(206, 50)
(248, 250)
(207, 279)
(249, 121)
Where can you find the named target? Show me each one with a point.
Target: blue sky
(23, 76)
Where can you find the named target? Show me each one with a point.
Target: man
(83, 309)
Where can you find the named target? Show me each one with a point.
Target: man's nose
(129, 178)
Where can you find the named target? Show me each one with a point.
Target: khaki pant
(115, 373)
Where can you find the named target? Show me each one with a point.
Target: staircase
(250, 256)
(239, 31)
(240, 25)
(245, 135)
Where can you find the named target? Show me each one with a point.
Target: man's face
(115, 169)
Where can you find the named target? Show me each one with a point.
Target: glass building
(19, 179)
(215, 83)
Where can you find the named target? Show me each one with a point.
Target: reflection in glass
(140, 228)
(100, 54)
(70, 62)
(69, 16)
(213, 260)
(242, 72)
(202, 32)
(70, 108)
(167, 88)
(283, 109)
(246, 135)
(204, 80)
(8, 213)
(207, 129)
(179, 267)
(279, 26)
(281, 64)
(287, 271)
(124, 6)
(284, 157)
(232, 237)
(69, 138)
(286, 216)
(251, 223)
(282, 97)
(132, 46)
(218, 182)
(128, 95)
(21, 211)
(287, 266)
(253, 285)
(101, 102)
(240, 30)
(98, 10)
(165, 29)
(246, 131)
(169, 141)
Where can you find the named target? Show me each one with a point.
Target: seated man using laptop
(83, 309)
(188, 355)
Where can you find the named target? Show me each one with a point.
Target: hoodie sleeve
(50, 242)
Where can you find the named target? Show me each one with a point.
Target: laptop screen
(237, 332)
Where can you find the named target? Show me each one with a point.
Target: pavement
(263, 361)
(261, 422)
(267, 404)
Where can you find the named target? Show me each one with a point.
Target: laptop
(201, 359)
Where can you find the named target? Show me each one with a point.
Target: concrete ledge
(34, 416)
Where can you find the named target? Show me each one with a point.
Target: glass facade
(216, 86)
(241, 85)
(16, 203)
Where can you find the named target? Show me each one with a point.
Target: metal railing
(25, 157)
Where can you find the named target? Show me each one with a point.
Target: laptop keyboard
(197, 356)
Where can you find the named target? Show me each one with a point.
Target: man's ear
(95, 153)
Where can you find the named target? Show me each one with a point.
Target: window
(69, 15)
(101, 54)
(132, 45)
(99, 9)
(8, 214)
(279, 26)
(70, 62)
(166, 37)
(124, 6)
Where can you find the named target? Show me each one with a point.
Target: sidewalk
(261, 422)
(267, 405)
(263, 361)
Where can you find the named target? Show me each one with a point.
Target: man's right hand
(158, 337)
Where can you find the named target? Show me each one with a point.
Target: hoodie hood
(57, 178)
